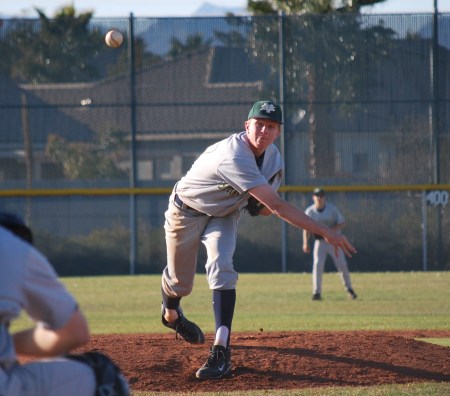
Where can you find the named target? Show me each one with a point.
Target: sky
(181, 8)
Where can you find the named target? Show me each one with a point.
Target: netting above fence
(365, 100)
(365, 97)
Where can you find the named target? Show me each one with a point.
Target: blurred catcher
(29, 282)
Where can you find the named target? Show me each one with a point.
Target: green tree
(292, 7)
(61, 49)
(325, 48)
(92, 160)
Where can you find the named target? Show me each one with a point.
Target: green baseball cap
(266, 109)
(319, 191)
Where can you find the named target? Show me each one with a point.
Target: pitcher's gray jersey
(217, 187)
(330, 215)
(219, 179)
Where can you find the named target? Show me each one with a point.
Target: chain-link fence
(365, 100)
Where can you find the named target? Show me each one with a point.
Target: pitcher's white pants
(185, 231)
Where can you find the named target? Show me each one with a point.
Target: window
(360, 162)
(145, 170)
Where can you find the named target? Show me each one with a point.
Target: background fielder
(329, 215)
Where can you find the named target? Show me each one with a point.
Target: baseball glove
(110, 380)
(253, 206)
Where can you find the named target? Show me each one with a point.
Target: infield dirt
(264, 361)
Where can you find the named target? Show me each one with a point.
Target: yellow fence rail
(167, 190)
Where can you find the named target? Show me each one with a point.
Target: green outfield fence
(93, 138)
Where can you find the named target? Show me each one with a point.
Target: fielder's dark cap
(266, 109)
(16, 225)
(319, 191)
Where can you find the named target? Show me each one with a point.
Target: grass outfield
(280, 302)
(424, 389)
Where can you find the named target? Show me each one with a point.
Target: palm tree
(59, 49)
(324, 48)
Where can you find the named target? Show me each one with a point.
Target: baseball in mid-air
(114, 38)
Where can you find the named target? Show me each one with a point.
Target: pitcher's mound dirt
(160, 363)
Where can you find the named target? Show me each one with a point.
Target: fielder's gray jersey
(329, 216)
(218, 182)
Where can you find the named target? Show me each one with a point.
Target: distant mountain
(208, 10)
(443, 36)
(158, 37)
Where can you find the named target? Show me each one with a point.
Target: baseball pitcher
(241, 172)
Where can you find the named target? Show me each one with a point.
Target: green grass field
(280, 302)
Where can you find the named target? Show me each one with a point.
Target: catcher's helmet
(16, 225)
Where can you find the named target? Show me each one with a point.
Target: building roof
(171, 96)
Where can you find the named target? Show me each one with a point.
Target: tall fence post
(132, 82)
(435, 119)
(435, 96)
(28, 149)
(282, 143)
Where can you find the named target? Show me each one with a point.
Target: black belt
(178, 202)
(316, 236)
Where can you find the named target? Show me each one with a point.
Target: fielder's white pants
(321, 250)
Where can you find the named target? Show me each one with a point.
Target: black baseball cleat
(186, 329)
(218, 364)
(316, 297)
(351, 294)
